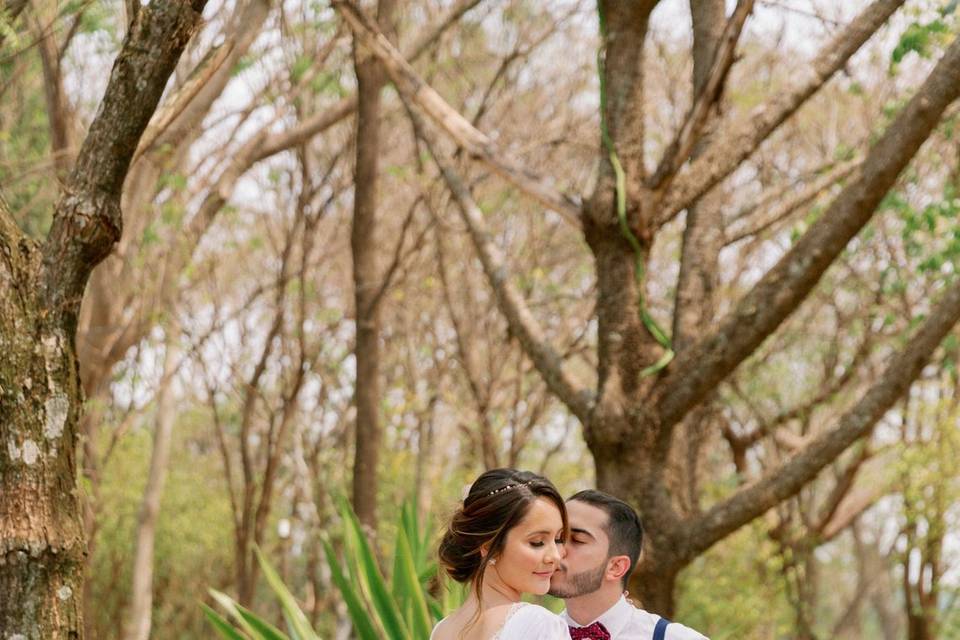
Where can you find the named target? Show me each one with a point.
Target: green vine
(621, 185)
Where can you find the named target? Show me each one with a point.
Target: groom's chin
(556, 590)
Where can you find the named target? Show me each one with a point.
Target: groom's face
(583, 569)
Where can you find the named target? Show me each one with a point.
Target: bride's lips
(544, 574)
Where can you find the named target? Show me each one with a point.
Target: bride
(506, 540)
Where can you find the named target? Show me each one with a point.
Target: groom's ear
(617, 567)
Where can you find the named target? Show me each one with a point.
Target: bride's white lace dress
(528, 622)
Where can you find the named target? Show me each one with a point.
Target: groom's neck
(586, 608)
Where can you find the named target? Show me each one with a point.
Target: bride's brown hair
(496, 502)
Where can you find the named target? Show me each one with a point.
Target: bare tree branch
(335, 114)
(785, 206)
(781, 290)
(787, 480)
(679, 150)
(424, 98)
(514, 308)
(186, 109)
(87, 220)
(739, 140)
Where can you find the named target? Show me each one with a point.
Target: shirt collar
(613, 619)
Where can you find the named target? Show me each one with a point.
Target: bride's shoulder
(534, 621)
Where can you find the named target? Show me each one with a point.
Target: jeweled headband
(507, 487)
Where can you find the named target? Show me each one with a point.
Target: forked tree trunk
(631, 420)
(41, 538)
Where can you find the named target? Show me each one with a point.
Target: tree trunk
(141, 605)
(654, 588)
(363, 241)
(41, 537)
(41, 541)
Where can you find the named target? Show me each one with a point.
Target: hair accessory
(507, 487)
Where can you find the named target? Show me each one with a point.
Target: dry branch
(787, 479)
(424, 98)
(522, 322)
(740, 139)
(781, 290)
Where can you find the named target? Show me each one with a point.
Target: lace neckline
(513, 609)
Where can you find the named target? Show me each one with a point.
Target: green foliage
(930, 234)
(401, 608)
(28, 186)
(924, 37)
(734, 591)
(918, 38)
(188, 558)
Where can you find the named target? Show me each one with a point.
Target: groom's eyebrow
(583, 531)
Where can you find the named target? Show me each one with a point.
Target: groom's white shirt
(625, 622)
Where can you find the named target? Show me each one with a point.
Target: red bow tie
(595, 631)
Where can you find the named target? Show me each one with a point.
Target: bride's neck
(495, 591)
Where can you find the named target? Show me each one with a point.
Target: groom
(603, 548)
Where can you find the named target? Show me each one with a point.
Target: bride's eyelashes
(540, 543)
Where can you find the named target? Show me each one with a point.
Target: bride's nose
(554, 552)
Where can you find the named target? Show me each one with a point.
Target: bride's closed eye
(539, 543)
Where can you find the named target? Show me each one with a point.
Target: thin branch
(512, 304)
(749, 227)
(789, 478)
(320, 122)
(87, 220)
(739, 140)
(418, 94)
(680, 149)
(781, 290)
(398, 256)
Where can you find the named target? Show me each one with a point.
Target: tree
(368, 290)
(41, 285)
(641, 407)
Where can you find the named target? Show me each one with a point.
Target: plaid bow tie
(595, 631)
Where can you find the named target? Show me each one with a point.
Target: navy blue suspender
(660, 631)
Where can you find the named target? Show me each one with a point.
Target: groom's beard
(579, 584)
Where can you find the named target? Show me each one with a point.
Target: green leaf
(376, 587)
(358, 613)
(296, 619)
(266, 630)
(230, 606)
(410, 581)
(221, 625)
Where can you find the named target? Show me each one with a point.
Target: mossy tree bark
(41, 286)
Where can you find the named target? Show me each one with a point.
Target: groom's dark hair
(623, 526)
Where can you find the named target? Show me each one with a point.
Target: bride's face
(532, 550)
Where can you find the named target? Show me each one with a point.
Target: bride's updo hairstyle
(498, 500)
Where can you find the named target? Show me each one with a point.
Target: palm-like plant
(401, 608)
